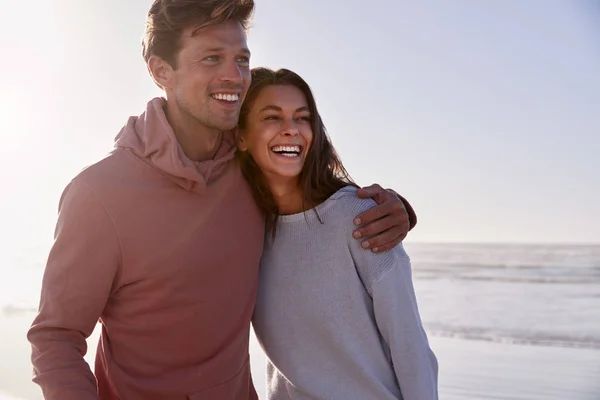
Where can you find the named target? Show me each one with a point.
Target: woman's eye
(271, 117)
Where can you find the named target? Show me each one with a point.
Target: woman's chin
(291, 174)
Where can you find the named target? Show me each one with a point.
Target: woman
(335, 321)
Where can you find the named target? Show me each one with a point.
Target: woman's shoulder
(346, 207)
(346, 202)
(343, 207)
(370, 266)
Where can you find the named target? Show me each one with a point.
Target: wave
(508, 273)
(545, 339)
(10, 310)
(587, 268)
(513, 279)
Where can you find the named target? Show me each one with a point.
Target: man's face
(212, 75)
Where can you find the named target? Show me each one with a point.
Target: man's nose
(231, 72)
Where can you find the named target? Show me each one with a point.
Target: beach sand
(469, 370)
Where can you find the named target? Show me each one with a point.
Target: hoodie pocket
(236, 388)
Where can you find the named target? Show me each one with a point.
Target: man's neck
(198, 142)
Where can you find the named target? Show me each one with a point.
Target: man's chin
(225, 124)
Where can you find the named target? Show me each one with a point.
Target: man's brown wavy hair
(323, 173)
(167, 19)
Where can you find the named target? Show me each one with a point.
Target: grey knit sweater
(338, 322)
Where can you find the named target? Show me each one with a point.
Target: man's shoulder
(106, 168)
(103, 176)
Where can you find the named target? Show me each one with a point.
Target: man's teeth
(226, 97)
(288, 151)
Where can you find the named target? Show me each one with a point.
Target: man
(161, 240)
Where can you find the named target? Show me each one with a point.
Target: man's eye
(244, 60)
(212, 58)
(271, 117)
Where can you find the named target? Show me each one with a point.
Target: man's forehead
(228, 35)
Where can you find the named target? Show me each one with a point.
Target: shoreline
(469, 369)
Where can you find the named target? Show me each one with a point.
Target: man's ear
(161, 71)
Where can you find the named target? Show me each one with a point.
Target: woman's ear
(239, 140)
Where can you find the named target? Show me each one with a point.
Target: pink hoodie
(165, 251)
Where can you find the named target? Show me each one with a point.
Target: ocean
(537, 295)
(506, 321)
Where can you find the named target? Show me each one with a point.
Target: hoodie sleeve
(77, 282)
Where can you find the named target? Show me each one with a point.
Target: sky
(485, 115)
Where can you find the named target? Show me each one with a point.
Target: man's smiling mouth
(228, 97)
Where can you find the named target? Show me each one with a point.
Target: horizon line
(521, 243)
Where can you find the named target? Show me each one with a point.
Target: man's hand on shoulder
(386, 224)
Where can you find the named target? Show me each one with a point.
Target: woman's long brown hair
(323, 173)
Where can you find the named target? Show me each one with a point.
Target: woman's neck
(288, 196)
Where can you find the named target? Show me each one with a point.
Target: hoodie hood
(151, 138)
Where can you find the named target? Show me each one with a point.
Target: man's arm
(387, 223)
(77, 282)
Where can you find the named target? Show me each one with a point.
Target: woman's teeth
(287, 151)
(226, 97)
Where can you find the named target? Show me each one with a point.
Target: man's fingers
(369, 191)
(374, 213)
(376, 227)
(389, 245)
(380, 242)
(385, 225)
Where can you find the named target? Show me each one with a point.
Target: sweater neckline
(313, 213)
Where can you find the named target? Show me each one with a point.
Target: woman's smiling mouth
(287, 150)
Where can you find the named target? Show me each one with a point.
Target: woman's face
(278, 132)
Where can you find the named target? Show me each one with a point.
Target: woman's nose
(290, 129)
(291, 132)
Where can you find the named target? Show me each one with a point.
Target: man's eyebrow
(243, 50)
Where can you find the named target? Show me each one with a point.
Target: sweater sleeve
(387, 278)
(398, 320)
(77, 282)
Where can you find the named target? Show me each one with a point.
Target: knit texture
(338, 322)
